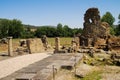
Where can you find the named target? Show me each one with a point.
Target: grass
(63, 41)
(95, 75)
(4, 47)
(69, 75)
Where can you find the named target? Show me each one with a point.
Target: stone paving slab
(25, 76)
(14, 64)
(68, 65)
(43, 69)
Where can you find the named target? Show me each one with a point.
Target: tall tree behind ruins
(118, 26)
(11, 28)
(107, 17)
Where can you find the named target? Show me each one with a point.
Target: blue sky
(52, 12)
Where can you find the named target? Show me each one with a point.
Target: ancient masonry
(10, 50)
(94, 30)
(95, 34)
(57, 45)
(46, 68)
(45, 41)
(75, 44)
(34, 45)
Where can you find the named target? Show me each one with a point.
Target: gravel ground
(11, 65)
(111, 73)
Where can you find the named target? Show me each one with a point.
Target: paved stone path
(43, 69)
(11, 65)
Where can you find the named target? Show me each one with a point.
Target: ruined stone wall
(35, 45)
(115, 43)
(93, 28)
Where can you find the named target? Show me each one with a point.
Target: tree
(110, 20)
(46, 30)
(11, 28)
(119, 19)
(16, 28)
(4, 26)
(77, 31)
(118, 27)
(60, 30)
(27, 33)
(51, 32)
(67, 31)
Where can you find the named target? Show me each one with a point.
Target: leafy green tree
(27, 33)
(46, 30)
(80, 30)
(118, 27)
(51, 32)
(119, 19)
(16, 28)
(60, 30)
(11, 28)
(4, 26)
(77, 31)
(67, 31)
(40, 31)
(112, 30)
(110, 20)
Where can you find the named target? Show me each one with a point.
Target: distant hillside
(30, 26)
(34, 27)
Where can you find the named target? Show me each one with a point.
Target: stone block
(35, 45)
(25, 77)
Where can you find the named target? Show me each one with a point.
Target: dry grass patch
(110, 72)
(63, 41)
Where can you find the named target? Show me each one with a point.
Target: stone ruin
(73, 48)
(45, 41)
(96, 33)
(3, 41)
(94, 30)
(35, 45)
(93, 27)
(27, 46)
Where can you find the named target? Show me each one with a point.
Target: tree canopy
(118, 27)
(11, 28)
(59, 31)
(16, 29)
(107, 17)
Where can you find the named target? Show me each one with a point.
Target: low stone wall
(35, 45)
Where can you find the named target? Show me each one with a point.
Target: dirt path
(9, 66)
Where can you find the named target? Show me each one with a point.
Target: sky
(52, 12)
